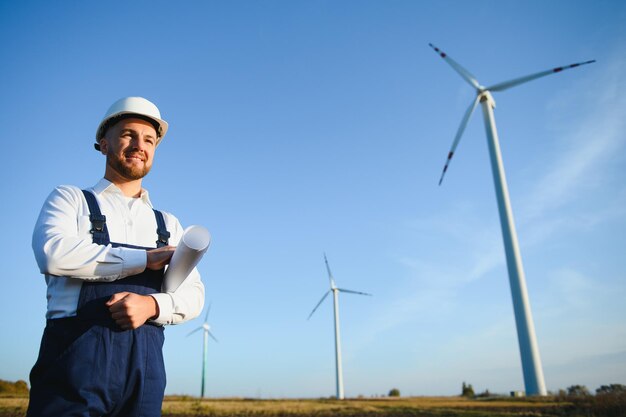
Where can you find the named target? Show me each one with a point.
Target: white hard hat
(132, 106)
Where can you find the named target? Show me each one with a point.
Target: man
(102, 251)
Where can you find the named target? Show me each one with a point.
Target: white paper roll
(192, 246)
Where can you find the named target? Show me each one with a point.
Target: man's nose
(139, 143)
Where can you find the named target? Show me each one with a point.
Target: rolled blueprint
(190, 249)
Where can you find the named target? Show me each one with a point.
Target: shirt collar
(105, 185)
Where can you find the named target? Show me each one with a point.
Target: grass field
(380, 407)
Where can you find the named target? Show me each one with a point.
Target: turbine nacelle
(333, 288)
(485, 95)
(205, 326)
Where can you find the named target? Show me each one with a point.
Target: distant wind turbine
(207, 332)
(335, 291)
(531, 362)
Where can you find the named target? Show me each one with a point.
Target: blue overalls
(88, 365)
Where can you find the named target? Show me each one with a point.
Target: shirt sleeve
(63, 245)
(187, 301)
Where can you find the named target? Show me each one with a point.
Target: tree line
(8, 388)
(572, 391)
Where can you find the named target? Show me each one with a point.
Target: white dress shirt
(66, 255)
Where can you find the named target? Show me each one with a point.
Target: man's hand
(130, 310)
(158, 258)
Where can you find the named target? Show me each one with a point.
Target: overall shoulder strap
(162, 232)
(97, 219)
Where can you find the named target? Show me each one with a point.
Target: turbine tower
(336, 291)
(531, 362)
(207, 332)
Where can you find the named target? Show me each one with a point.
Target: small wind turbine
(207, 332)
(335, 291)
(531, 362)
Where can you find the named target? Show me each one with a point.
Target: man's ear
(103, 146)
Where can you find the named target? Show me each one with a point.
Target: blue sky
(298, 128)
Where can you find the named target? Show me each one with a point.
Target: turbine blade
(330, 274)
(206, 318)
(521, 80)
(465, 74)
(213, 337)
(318, 304)
(353, 292)
(194, 331)
(459, 133)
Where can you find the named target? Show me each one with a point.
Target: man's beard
(129, 172)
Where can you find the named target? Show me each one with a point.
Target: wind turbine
(336, 291)
(207, 332)
(531, 362)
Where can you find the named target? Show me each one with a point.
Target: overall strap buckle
(163, 234)
(163, 239)
(98, 221)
